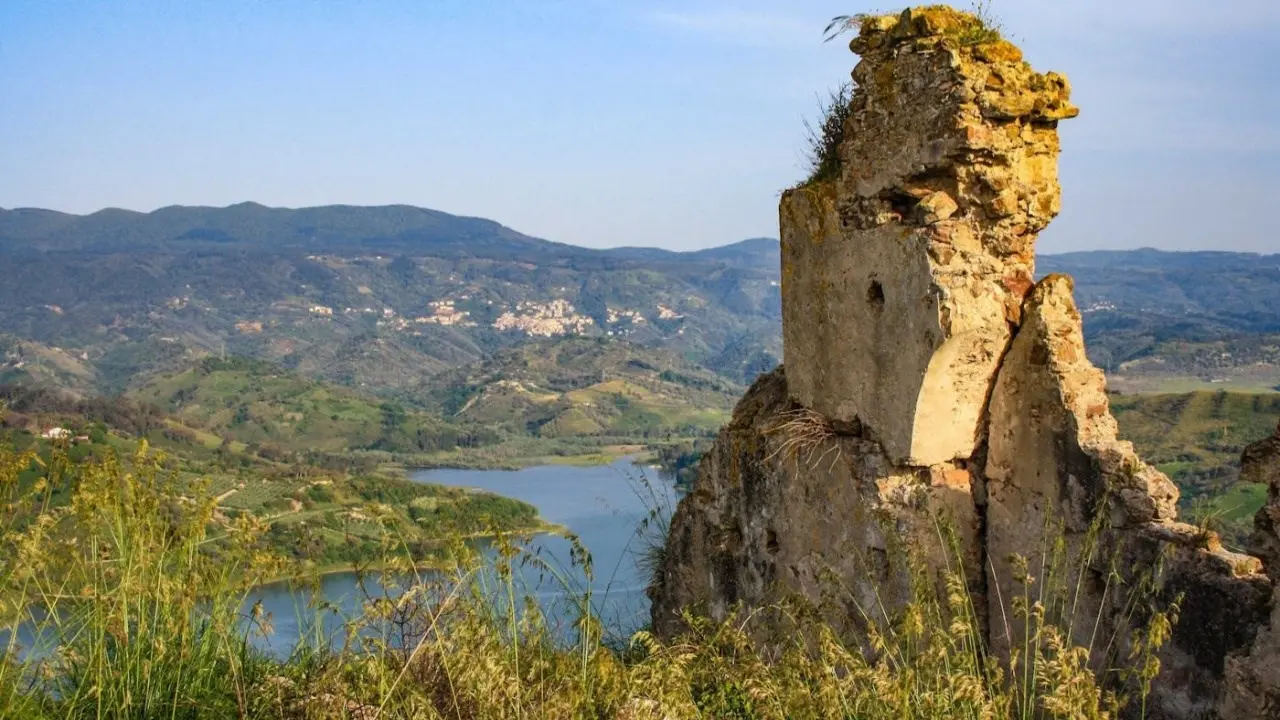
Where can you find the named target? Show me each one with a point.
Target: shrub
(132, 615)
(823, 140)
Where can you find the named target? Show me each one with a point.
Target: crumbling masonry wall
(927, 376)
(901, 284)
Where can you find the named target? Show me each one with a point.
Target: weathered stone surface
(900, 281)
(1057, 472)
(1053, 459)
(774, 515)
(927, 376)
(1260, 462)
(1053, 449)
(1223, 604)
(1253, 678)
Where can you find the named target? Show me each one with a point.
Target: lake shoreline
(607, 455)
(322, 571)
(593, 511)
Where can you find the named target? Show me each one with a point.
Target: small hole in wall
(771, 541)
(901, 203)
(875, 295)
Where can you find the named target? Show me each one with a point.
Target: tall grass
(649, 539)
(131, 595)
(140, 596)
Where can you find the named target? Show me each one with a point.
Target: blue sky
(599, 123)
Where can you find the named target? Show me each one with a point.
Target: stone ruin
(927, 375)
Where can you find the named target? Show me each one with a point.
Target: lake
(603, 505)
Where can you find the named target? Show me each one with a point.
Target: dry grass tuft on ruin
(808, 437)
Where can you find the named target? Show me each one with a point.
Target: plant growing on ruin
(842, 24)
(652, 531)
(806, 435)
(823, 140)
(987, 29)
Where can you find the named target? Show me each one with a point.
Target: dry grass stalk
(805, 432)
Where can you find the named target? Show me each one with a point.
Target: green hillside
(325, 510)
(372, 297)
(28, 362)
(584, 387)
(259, 404)
(547, 401)
(1197, 438)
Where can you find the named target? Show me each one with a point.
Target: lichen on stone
(929, 376)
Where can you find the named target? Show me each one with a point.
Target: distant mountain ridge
(388, 228)
(250, 225)
(373, 297)
(1233, 290)
(1155, 314)
(412, 292)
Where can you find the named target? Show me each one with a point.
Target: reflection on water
(604, 506)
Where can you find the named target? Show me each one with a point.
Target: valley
(355, 462)
(382, 298)
(363, 341)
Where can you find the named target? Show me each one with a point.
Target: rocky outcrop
(1056, 472)
(1053, 458)
(1253, 678)
(1261, 464)
(901, 284)
(930, 382)
(785, 501)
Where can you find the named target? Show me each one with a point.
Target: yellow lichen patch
(819, 195)
(879, 24)
(999, 51)
(941, 20)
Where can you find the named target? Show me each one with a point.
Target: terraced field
(1196, 438)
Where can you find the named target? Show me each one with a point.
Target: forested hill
(332, 228)
(252, 226)
(375, 297)
(1150, 314)
(381, 297)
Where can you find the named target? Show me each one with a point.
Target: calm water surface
(603, 505)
